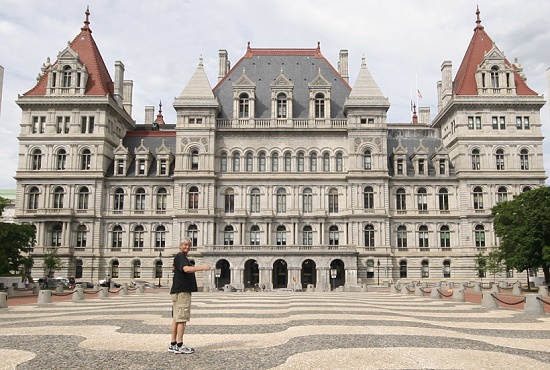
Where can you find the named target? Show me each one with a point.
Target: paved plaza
(273, 330)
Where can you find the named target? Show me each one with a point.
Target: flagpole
(417, 91)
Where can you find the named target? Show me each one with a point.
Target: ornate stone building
(280, 174)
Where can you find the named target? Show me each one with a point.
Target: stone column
(533, 305)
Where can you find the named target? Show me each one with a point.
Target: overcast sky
(160, 43)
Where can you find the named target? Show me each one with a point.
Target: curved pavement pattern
(273, 330)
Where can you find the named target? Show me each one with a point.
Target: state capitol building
(280, 174)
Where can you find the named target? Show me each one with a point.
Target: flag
(419, 94)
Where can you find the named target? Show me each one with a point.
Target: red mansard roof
(481, 43)
(99, 80)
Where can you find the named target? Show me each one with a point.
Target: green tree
(52, 261)
(15, 243)
(523, 225)
(480, 265)
(494, 263)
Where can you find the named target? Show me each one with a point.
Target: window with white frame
(300, 162)
(116, 237)
(34, 196)
(36, 160)
(244, 106)
(140, 199)
(401, 199)
(261, 162)
(228, 235)
(499, 158)
(281, 106)
(139, 232)
(425, 273)
(58, 197)
(57, 235)
(249, 162)
(288, 162)
(193, 196)
(444, 237)
(236, 162)
(369, 236)
(307, 200)
(402, 237)
(223, 162)
(319, 105)
(83, 196)
(281, 235)
(281, 200)
(195, 160)
(368, 197)
(333, 201)
(307, 235)
(193, 235)
(229, 201)
(255, 235)
(333, 235)
(422, 196)
(475, 160)
(81, 236)
(367, 160)
(339, 162)
(502, 194)
(480, 236)
(161, 199)
(326, 162)
(313, 162)
(160, 237)
(255, 200)
(118, 199)
(443, 198)
(478, 197)
(423, 240)
(61, 159)
(274, 162)
(86, 160)
(524, 159)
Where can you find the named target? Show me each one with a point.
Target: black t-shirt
(182, 281)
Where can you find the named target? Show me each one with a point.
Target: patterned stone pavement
(273, 330)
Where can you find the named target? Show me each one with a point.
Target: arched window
(476, 160)
(34, 196)
(478, 197)
(402, 237)
(116, 242)
(193, 197)
(281, 200)
(339, 162)
(114, 269)
(313, 162)
(367, 160)
(281, 106)
(193, 235)
(140, 199)
(307, 235)
(326, 162)
(261, 162)
(319, 105)
(444, 237)
(300, 162)
(195, 160)
(255, 235)
(307, 200)
(526, 188)
(57, 233)
(333, 235)
(494, 77)
(274, 162)
(333, 201)
(443, 197)
(81, 236)
(281, 235)
(138, 237)
(67, 76)
(401, 199)
(425, 273)
(480, 236)
(423, 237)
(403, 269)
(422, 195)
(499, 157)
(119, 199)
(369, 236)
(447, 269)
(58, 195)
(228, 235)
(288, 162)
(255, 200)
(244, 106)
(502, 194)
(160, 237)
(136, 269)
(86, 160)
(368, 197)
(161, 199)
(236, 162)
(524, 159)
(61, 159)
(83, 195)
(223, 162)
(229, 200)
(249, 162)
(36, 159)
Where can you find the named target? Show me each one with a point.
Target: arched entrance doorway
(280, 271)
(309, 273)
(225, 274)
(340, 278)
(251, 274)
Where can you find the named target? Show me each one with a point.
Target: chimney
(439, 103)
(127, 97)
(1, 85)
(149, 114)
(424, 115)
(224, 65)
(343, 65)
(119, 82)
(446, 82)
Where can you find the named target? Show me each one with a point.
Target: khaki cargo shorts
(181, 306)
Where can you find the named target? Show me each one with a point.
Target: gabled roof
(99, 80)
(480, 44)
(198, 86)
(365, 86)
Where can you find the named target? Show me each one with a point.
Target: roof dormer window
(67, 76)
(494, 77)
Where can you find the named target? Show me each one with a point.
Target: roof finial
(248, 46)
(86, 26)
(318, 45)
(478, 21)
(160, 106)
(363, 63)
(200, 62)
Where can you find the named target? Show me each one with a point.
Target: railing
(280, 248)
(247, 123)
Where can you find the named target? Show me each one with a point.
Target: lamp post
(333, 273)
(218, 272)
(159, 272)
(378, 267)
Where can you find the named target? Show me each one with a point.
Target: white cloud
(160, 43)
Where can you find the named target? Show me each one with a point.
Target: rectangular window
(495, 123)
(87, 124)
(162, 167)
(400, 167)
(141, 167)
(120, 167)
(471, 123)
(442, 167)
(229, 203)
(478, 123)
(421, 167)
(526, 123)
(502, 121)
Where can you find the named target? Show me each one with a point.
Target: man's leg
(180, 332)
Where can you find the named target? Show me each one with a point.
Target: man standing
(183, 284)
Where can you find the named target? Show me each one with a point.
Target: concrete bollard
(59, 289)
(543, 290)
(227, 288)
(364, 287)
(11, 291)
(533, 305)
(103, 292)
(123, 289)
(477, 287)
(488, 301)
(495, 288)
(35, 289)
(435, 293)
(394, 290)
(503, 284)
(3, 300)
(516, 289)
(78, 294)
(44, 296)
(418, 291)
(458, 295)
(310, 288)
(424, 284)
(404, 289)
(140, 289)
